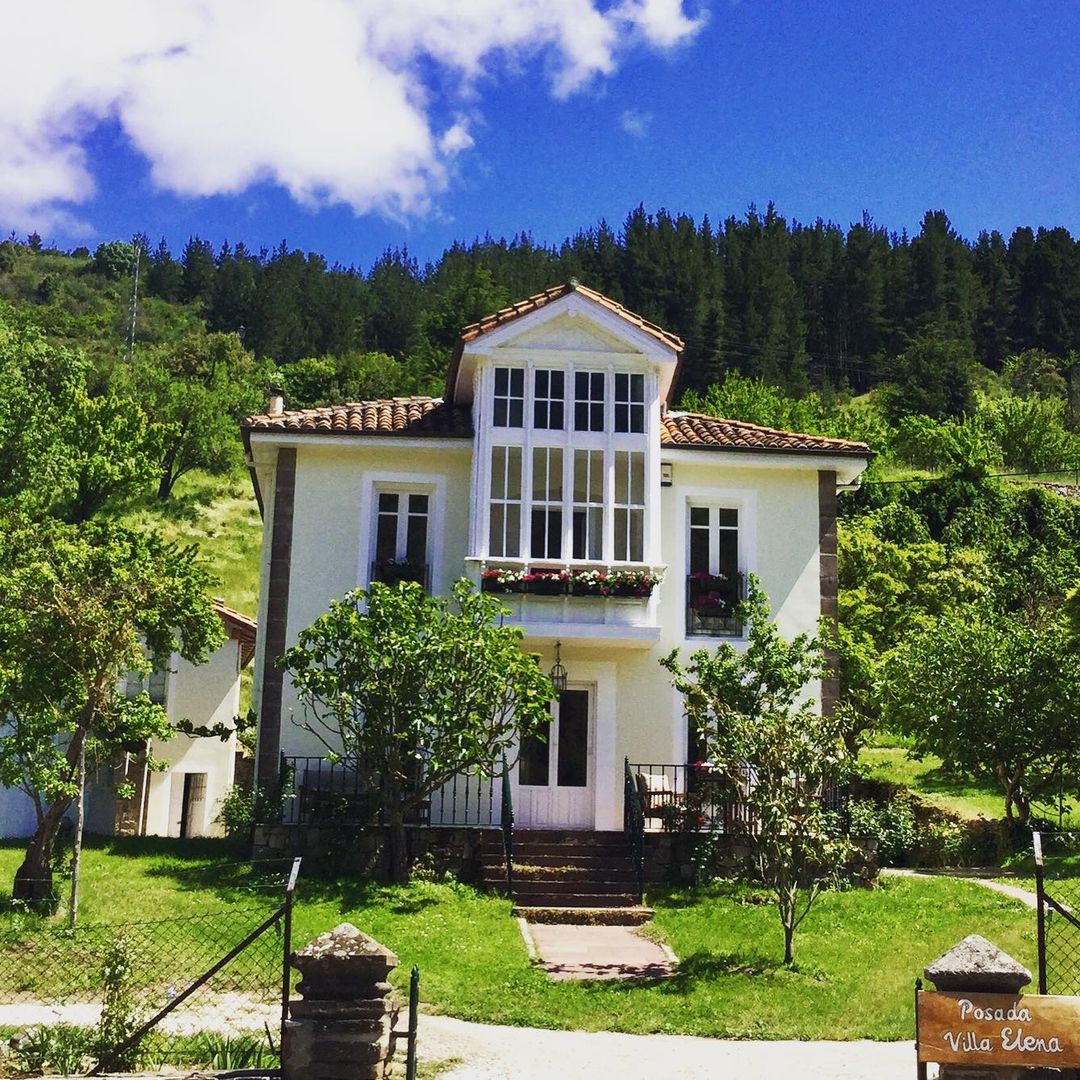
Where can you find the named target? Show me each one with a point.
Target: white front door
(555, 768)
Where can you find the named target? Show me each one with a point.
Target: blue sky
(544, 126)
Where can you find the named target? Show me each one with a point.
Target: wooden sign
(956, 1028)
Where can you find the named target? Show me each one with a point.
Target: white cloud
(326, 98)
(635, 123)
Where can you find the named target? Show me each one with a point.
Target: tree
(409, 690)
(79, 607)
(769, 747)
(195, 391)
(994, 697)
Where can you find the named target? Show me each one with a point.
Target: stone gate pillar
(341, 1029)
(979, 966)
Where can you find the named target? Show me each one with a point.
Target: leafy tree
(409, 690)
(79, 607)
(994, 697)
(769, 746)
(326, 380)
(195, 391)
(114, 260)
(932, 376)
(894, 581)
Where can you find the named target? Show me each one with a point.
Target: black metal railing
(711, 604)
(699, 798)
(634, 825)
(508, 827)
(393, 572)
(317, 789)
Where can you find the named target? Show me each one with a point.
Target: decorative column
(976, 965)
(342, 1029)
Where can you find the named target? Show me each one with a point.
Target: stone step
(631, 915)
(575, 837)
(562, 873)
(524, 886)
(577, 900)
(571, 859)
(525, 852)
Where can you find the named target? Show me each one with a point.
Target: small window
(630, 403)
(401, 530)
(549, 400)
(155, 685)
(588, 401)
(509, 397)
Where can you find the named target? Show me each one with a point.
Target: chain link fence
(74, 998)
(1057, 883)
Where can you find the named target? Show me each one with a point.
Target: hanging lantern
(558, 674)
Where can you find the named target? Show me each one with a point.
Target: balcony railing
(711, 603)
(696, 798)
(393, 572)
(317, 790)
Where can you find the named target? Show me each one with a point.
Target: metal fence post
(1040, 900)
(286, 980)
(414, 1010)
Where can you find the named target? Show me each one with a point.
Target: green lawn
(857, 952)
(930, 782)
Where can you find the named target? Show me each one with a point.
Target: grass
(219, 513)
(857, 953)
(928, 779)
(886, 758)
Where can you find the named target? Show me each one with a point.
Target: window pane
(620, 533)
(513, 472)
(517, 413)
(622, 416)
(729, 552)
(533, 760)
(637, 535)
(728, 518)
(159, 682)
(699, 515)
(502, 381)
(517, 382)
(416, 539)
(513, 530)
(573, 765)
(386, 536)
(699, 551)
(501, 412)
(555, 416)
(581, 416)
(496, 540)
(637, 419)
(622, 469)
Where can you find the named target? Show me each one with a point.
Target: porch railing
(711, 601)
(317, 789)
(696, 798)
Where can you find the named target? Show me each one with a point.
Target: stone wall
(344, 850)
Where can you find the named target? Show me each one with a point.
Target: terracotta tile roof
(539, 300)
(241, 628)
(692, 431)
(411, 416)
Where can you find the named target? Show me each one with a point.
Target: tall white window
(588, 531)
(714, 541)
(509, 397)
(549, 399)
(630, 403)
(629, 505)
(588, 401)
(547, 503)
(504, 531)
(401, 527)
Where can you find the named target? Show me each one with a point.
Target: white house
(553, 453)
(184, 799)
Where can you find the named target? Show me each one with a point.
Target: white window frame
(434, 486)
(590, 401)
(546, 401)
(554, 474)
(509, 398)
(630, 506)
(402, 514)
(634, 405)
(490, 499)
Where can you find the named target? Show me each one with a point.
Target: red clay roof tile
(694, 431)
(412, 416)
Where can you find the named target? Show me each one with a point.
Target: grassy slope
(858, 951)
(221, 516)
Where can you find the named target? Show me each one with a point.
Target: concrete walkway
(1014, 892)
(487, 1052)
(572, 951)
